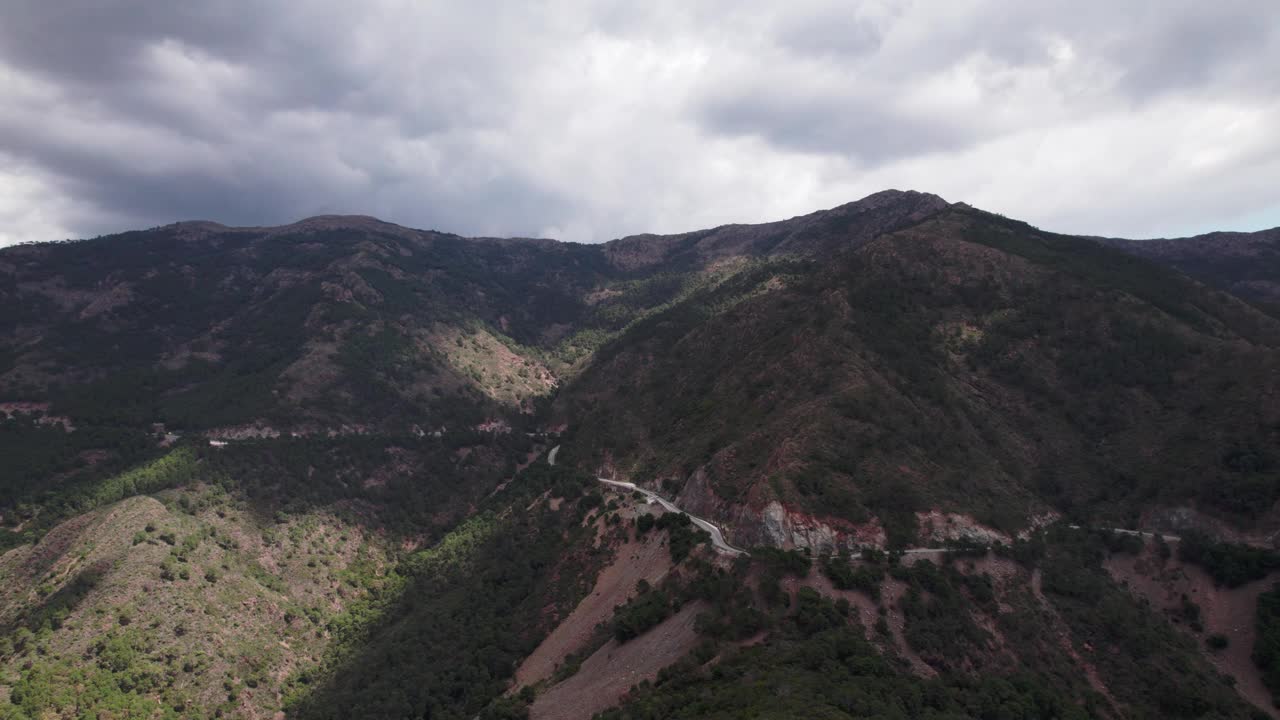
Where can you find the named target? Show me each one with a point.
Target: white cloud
(29, 209)
(591, 120)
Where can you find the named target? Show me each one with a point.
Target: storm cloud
(587, 121)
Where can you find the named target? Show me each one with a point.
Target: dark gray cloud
(862, 128)
(591, 120)
(1218, 48)
(246, 113)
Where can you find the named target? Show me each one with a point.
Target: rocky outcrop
(937, 527)
(790, 529)
(775, 525)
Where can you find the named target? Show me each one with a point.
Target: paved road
(551, 456)
(1118, 531)
(717, 537)
(1136, 533)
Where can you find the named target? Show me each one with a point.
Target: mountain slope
(305, 469)
(1246, 264)
(965, 364)
(347, 320)
(822, 233)
(332, 320)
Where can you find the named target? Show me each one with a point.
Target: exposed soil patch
(892, 592)
(1223, 611)
(611, 671)
(10, 409)
(647, 559)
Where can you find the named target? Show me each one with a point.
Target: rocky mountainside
(305, 469)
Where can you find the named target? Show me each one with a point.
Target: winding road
(721, 545)
(1135, 533)
(717, 537)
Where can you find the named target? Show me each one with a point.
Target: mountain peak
(197, 229)
(338, 222)
(893, 195)
(817, 233)
(905, 202)
(315, 222)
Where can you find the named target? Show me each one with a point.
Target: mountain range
(309, 469)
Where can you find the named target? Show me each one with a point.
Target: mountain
(330, 320)
(822, 233)
(345, 468)
(966, 364)
(1246, 264)
(348, 319)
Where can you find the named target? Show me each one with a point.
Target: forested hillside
(967, 363)
(343, 468)
(1247, 264)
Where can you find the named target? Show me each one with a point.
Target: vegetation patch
(1228, 564)
(1266, 648)
(442, 637)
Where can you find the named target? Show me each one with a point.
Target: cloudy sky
(591, 120)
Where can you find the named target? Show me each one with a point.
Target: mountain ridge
(1209, 257)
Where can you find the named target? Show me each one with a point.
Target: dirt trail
(646, 559)
(613, 669)
(1223, 611)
